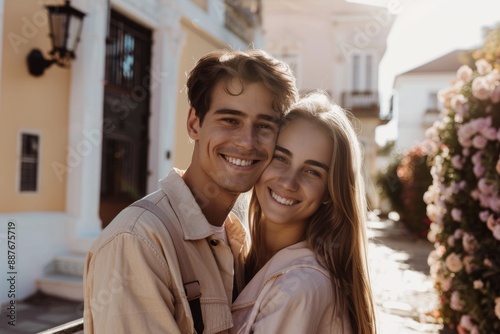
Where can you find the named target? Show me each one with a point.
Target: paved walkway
(41, 312)
(399, 272)
(403, 289)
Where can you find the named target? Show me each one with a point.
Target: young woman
(307, 267)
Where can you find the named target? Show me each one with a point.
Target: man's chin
(237, 186)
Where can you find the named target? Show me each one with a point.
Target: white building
(415, 103)
(335, 46)
(80, 143)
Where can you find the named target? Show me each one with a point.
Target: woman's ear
(193, 124)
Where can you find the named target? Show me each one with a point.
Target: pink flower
(453, 263)
(496, 232)
(485, 186)
(475, 194)
(497, 307)
(477, 157)
(478, 170)
(459, 104)
(466, 322)
(450, 241)
(495, 95)
(456, 303)
(468, 265)
(479, 142)
(478, 284)
(445, 95)
(446, 284)
(489, 133)
(456, 161)
(484, 215)
(481, 88)
(483, 66)
(497, 168)
(469, 243)
(456, 214)
(493, 77)
(459, 233)
(464, 73)
(484, 200)
(466, 131)
(491, 222)
(488, 263)
(494, 203)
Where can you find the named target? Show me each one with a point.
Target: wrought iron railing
(72, 327)
(366, 99)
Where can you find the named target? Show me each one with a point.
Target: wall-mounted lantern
(66, 25)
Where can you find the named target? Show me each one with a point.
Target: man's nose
(247, 138)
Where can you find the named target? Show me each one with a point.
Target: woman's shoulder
(293, 257)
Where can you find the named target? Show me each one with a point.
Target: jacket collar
(192, 220)
(298, 255)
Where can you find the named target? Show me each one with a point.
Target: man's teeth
(239, 162)
(281, 200)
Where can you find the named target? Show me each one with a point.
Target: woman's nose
(288, 180)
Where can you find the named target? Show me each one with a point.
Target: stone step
(64, 277)
(71, 265)
(62, 286)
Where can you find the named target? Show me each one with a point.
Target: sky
(424, 30)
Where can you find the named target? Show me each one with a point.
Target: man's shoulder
(132, 220)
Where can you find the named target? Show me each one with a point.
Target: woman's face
(293, 186)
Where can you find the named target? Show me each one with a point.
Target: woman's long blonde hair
(336, 232)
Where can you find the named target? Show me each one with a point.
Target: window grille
(29, 162)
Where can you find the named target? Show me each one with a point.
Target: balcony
(363, 104)
(242, 17)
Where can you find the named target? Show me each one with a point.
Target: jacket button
(214, 242)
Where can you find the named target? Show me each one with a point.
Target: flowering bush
(415, 178)
(404, 183)
(463, 201)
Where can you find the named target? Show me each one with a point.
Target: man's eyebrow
(229, 112)
(269, 118)
(235, 112)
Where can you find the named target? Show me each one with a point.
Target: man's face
(236, 141)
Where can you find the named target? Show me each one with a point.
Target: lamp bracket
(37, 62)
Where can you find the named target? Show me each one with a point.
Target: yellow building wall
(35, 104)
(196, 45)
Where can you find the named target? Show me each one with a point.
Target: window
(433, 103)
(29, 162)
(362, 72)
(355, 73)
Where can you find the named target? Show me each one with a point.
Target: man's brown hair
(249, 66)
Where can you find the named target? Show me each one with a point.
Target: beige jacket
(132, 281)
(292, 293)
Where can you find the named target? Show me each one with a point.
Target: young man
(132, 277)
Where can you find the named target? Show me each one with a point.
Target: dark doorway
(126, 113)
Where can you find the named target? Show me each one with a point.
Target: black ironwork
(65, 24)
(126, 115)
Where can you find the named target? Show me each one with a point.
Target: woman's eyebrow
(318, 164)
(283, 150)
(309, 162)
